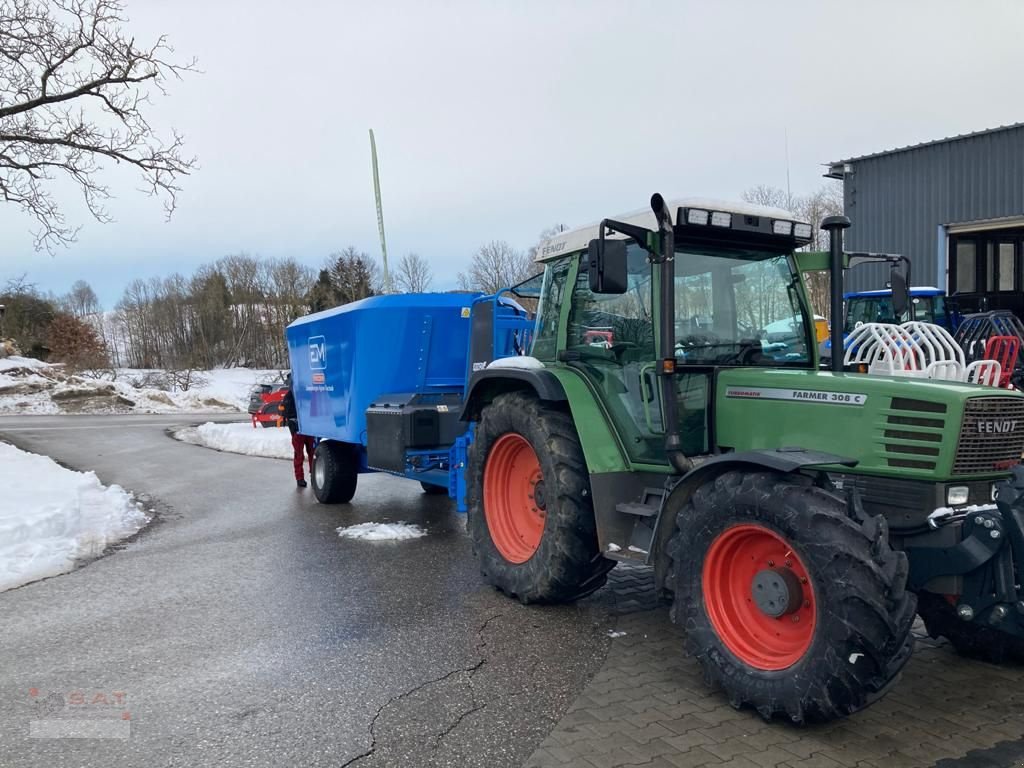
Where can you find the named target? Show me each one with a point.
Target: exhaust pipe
(835, 225)
(667, 337)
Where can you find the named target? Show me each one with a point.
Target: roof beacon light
(697, 216)
(721, 219)
(782, 228)
(803, 231)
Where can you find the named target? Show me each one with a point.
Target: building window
(966, 265)
(1006, 265)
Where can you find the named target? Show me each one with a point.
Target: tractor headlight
(721, 219)
(803, 231)
(697, 216)
(956, 495)
(782, 228)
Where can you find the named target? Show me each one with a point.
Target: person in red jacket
(300, 443)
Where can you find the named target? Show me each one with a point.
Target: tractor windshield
(738, 307)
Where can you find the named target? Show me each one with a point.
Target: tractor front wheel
(335, 472)
(530, 512)
(968, 638)
(790, 605)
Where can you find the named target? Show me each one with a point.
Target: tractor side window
(545, 340)
(615, 324)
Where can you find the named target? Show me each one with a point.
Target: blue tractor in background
(927, 304)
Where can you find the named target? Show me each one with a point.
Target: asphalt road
(239, 629)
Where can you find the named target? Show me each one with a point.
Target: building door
(985, 271)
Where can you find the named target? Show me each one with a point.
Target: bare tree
(81, 300)
(814, 208)
(764, 194)
(413, 274)
(495, 266)
(74, 88)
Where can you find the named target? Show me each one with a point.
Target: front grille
(913, 433)
(991, 435)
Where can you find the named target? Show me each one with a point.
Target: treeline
(231, 312)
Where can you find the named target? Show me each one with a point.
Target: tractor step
(640, 532)
(648, 505)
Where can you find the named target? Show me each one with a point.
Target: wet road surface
(239, 629)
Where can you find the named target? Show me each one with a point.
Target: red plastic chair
(1004, 350)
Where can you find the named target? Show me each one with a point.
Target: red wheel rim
(734, 566)
(513, 505)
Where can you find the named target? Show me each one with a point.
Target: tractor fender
(487, 384)
(782, 460)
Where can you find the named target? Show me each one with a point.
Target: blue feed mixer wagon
(379, 383)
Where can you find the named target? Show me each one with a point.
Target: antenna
(789, 193)
(380, 214)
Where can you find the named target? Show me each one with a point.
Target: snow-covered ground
(30, 386)
(273, 443)
(381, 531)
(51, 517)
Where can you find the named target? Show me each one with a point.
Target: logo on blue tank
(317, 353)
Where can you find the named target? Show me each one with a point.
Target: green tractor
(671, 411)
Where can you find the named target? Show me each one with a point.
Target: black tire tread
(568, 564)
(340, 475)
(862, 580)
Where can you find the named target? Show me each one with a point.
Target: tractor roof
(578, 239)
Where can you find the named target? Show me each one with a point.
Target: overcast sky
(496, 120)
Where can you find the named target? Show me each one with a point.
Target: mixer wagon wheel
(335, 472)
(530, 513)
(791, 606)
(971, 639)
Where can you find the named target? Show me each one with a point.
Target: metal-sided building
(954, 206)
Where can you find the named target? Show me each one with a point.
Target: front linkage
(987, 617)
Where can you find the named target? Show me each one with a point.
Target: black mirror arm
(640, 234)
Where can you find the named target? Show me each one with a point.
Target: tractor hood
(904, 427)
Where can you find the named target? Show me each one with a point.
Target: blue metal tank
(344, 358)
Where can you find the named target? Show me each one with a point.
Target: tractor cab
(649, 329)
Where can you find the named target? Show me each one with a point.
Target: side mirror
(607, 266)
(900, 289)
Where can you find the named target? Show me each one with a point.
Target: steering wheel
(619, 348)
(698, 340)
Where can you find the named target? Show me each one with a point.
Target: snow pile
(381, 531)
(32, 386)
(272, 443)
(50, 517)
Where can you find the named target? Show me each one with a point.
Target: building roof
(578, 238)
(947, 140)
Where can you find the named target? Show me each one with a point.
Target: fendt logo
(317, 353)
(996, 426)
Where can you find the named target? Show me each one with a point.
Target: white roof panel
(578, 239)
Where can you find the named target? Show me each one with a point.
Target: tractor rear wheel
(530, 512)
(791, 606)
(335, 472)
(968, 638)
